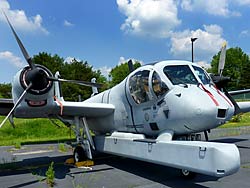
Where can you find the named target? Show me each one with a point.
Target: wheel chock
(86, 163)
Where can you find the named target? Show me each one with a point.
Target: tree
(5, 90)
(53, 63)
(236, 62)
(244, 81)
(120, 72)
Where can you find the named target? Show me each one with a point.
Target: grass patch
(244, 121)
(32, 131)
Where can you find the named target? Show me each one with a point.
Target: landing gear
(85, 144)
(187, 174)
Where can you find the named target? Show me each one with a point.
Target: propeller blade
(24, 52)
(83, 83)
(236, 106)
(222, 59)
(17, 103)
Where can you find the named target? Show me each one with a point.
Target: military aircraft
(155, 114)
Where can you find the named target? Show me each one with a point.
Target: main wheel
(187, 174)
(79, 154)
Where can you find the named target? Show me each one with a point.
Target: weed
(246, 166)
(17, 145)
(237, 118)
(50, 175)
(62, 147)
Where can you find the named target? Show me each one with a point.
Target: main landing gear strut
(85, 143)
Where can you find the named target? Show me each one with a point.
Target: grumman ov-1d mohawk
(153, 115)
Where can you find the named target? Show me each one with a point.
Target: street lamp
(192, 41)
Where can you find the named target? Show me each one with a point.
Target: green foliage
(236, 118)
(50, 175)
(241, 120)
(76, 70)
(120, 72)
(18, 145)
(5, 90)
(32, 131)
(237, 67)
(62, 147)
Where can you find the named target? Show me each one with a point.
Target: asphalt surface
(26, 167)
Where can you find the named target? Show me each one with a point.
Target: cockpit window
(180, 74)
(138, 86)
(159, 87)
(202, 75)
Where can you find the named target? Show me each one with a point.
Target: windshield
(202, 75)
(180, 74)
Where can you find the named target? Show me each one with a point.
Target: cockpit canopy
(154, 81)
(144, 86)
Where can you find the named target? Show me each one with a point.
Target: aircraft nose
(210, 108)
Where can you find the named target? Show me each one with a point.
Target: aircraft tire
(79, 154)
(187, 174)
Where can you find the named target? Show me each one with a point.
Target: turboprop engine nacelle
(39, 100)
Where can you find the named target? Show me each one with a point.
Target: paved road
(27, 166)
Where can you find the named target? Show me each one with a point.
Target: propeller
(79, 82)
(36, 78)
(24, 52)
(16, 104)
(221, 81)
(222, 59)
(38, 75)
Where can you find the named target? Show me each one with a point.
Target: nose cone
(202, 110)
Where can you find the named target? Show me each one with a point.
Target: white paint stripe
(33, 152)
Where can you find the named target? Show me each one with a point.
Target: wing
(244, 106)
(239, 92)
(85, 109)
(5, 106)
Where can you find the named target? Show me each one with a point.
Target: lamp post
(192, 41)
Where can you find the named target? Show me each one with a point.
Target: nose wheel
(187, 174)
(79, 154)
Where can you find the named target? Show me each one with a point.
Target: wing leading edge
(84, 109)
(244, 106)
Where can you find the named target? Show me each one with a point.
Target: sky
(107, 33)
